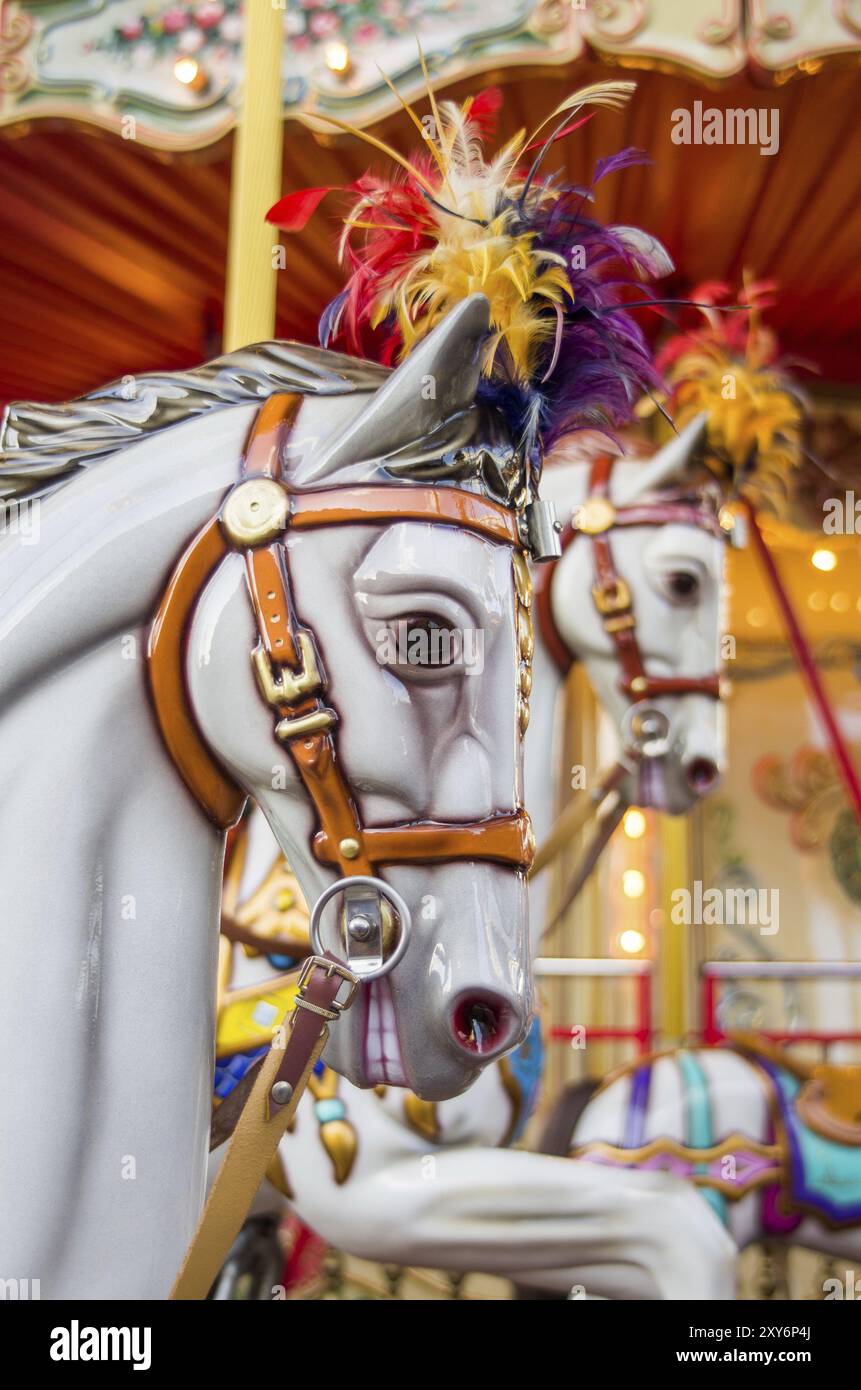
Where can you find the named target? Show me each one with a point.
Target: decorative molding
(113, 63)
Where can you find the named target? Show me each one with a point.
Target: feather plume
(563, 352)
(729, 367)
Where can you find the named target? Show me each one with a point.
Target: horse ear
(668, 465)
(436, 381)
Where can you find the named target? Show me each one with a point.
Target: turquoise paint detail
(699, 1131)
(831, 1171)
(526, 1064)
(331, 1109)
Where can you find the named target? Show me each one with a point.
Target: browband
(253, 519)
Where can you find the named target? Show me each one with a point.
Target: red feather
(293, 212)
(484, 110)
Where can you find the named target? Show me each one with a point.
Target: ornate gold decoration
(276, 912)
(337, 1135)
(808, 786)
(421, 1116)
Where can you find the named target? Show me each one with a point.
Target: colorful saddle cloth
(810, 1162)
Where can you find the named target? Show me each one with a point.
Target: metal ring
(386, 891)
(649, 747)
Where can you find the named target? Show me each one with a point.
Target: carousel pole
(249, 313)
(807, 666)
(674, 849)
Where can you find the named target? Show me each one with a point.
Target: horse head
(398, 567)
(637, 596)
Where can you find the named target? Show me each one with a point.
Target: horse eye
(681, 585)
(424, 640)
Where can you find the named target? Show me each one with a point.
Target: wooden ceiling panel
(112, 257)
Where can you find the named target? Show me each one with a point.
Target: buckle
(331, 967)
(284, 685)
(301, 724)
(611, 598)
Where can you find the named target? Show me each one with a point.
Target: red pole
(807, 667)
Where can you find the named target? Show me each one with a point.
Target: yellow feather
(612, 95)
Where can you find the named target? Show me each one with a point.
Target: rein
(255, 517)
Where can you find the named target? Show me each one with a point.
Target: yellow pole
(675, 872)
(249, 313)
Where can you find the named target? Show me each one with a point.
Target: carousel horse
(772, 1143)
(391, 1177)
(157, 693)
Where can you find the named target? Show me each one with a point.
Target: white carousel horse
(773, 1144)
(110, 871)
(410, 1183)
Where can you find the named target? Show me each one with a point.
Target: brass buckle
(331, 967)
(612, 598)
(285, 685)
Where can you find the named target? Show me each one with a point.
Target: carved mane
(43, 446)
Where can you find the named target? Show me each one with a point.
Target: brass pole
(249, 313)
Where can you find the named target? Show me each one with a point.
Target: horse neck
(109, 873)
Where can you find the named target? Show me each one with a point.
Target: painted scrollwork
(619, 21)
(15, 30)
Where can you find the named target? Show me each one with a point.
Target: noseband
(595, 518)
(254, 520)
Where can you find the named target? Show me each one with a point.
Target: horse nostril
(479, 1023)
(701, 774)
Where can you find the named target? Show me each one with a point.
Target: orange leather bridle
(612, 597)
(254, 519)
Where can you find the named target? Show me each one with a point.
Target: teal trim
(330, 1109)
(699, 1131)
(825, 1173)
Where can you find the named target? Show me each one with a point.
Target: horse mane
(43, 446)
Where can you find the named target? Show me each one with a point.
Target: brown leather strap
(208, 782)
(269, 433)
(261, 1125)
(503, 839)
(611, 595)
(385, 502)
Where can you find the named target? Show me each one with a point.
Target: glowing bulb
(818, 601)
(840, 601)
(633, 883)
(824, 560)
(632, 942)
(726, 518)
(634, 824)
(338, 58)
(185, 70)
(189, 72)
(757, 617)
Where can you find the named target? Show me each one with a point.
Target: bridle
(646, 729)
(254, 519)
(612, 597)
